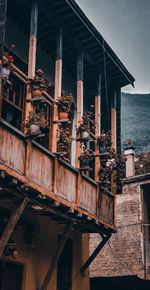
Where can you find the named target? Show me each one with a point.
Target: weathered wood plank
(106, 207)
(41, 169)
(88, 196)
(12, 150)
(11, 225)
(67, 183)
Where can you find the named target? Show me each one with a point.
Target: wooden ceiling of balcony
(79, 35)
(12, 192)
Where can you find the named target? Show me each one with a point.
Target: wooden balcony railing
(41, 169)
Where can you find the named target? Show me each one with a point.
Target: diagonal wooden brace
(11, 225)
(95, 253)
(56, 256)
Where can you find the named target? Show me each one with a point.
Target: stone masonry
(124, 253)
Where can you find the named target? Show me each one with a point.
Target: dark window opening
(13, 93)
(11, 276)
(64, 267)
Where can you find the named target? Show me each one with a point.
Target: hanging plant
(87, 124)
(64, 140)
(104, 141)
(65, 106)
(142, 163)
(85, 158)
(7, 62)
(35, 121)
(39, 84)
(111, 162)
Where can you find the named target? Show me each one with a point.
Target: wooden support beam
(55, 175)
(11, 225)
(3, 10)
(32, 55)
(33, 40)
(56, 256)
(58, 85)
(95, 253)
(79, 179)
(113, 121)
(27, 160)
(79, 101)
(98, 125)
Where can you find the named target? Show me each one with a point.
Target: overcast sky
(125, 25)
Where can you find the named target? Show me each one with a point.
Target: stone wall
(124, 252)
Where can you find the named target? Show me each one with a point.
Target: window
(64, 267)
(13, 94)
(11, 275)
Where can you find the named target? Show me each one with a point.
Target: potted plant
(35, 122)
(83, 129)
(87, 125)
(7, 63)
(38, 84)
(64, 140)
(65, 106)
(85, 158)
(104, 141)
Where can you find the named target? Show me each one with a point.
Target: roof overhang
(79, 35)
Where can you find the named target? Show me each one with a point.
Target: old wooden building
(60, 86)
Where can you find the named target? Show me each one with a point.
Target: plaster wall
(36, 259)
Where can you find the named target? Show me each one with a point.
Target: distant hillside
(135, 120)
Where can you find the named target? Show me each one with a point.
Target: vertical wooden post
(114, 142)
(78, 189)
(113, 121)
(27, 160)
(11, 225)
(118, 118)
(98, 125)
(58, 84)
(55, 175)
(33, 40)
(32, 53)
(3, 10)
(79, 101)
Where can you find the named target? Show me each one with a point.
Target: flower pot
(36, 93)
(5, 72)
(63, 115)
(85, 134)
(34, 129)
(84, 163)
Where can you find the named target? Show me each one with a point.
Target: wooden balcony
(41, 173)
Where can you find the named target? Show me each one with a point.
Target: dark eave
(79, 35)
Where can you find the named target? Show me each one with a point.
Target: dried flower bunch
(86, 155)
(37, 119)
(142, 163)
(64, 140)
(87, 123)
(112, 162)
(65, 103)
(39, 82)
(104, 140)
